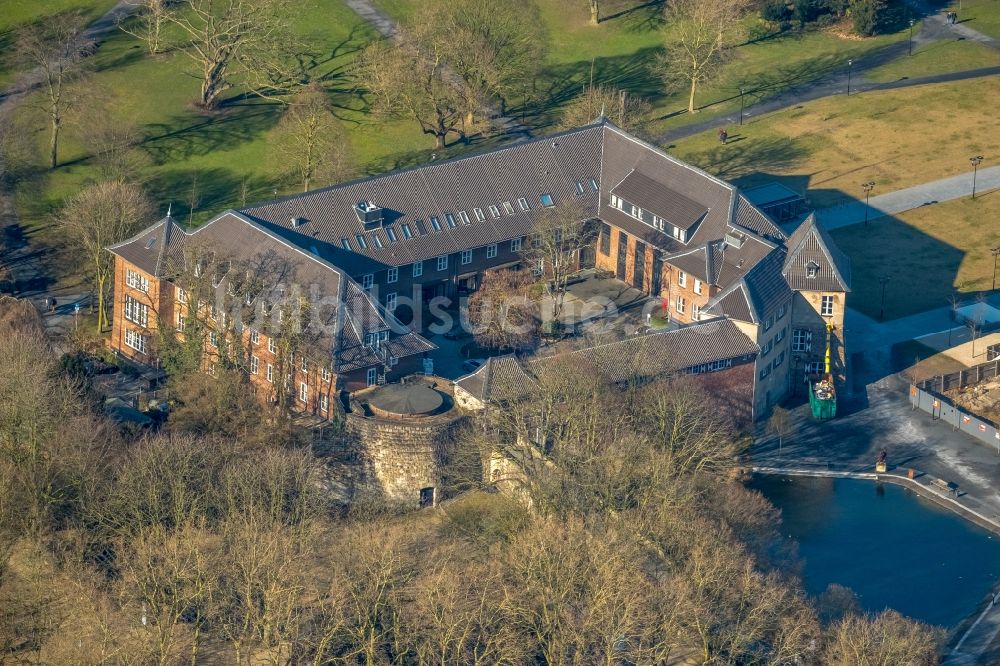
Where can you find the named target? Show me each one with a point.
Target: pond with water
(893, 548)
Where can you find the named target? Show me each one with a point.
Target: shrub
(869, 16)
(777, 11)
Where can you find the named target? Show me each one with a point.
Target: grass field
(15, 14)
(981, 15)
(937, 58)
(828, 147)
(927, 253)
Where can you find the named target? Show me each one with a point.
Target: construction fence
(927, 395)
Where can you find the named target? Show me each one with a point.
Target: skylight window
(494, 211)
(362, 243)
(546, 200)
(407, 232)
(523, 203)
(593, 185)
(579, 187)
(479, 214)
(151, 242)
(450, 219)
(465, 217)
(436, 223)
(421, 229)
(508, 208)
(376, 240)
(391, 233)
(346, 244)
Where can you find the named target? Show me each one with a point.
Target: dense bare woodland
(627, 539)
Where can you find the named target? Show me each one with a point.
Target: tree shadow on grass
(742, 159)
(216, 189)
(181, 139)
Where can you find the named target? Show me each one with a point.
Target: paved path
(386, 27)
(925, 194)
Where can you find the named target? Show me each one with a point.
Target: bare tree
(409, 78)
(53, 49)
(552, 250)
(595, 11)
(699, 36)
(887, 638)
(233, 37)
(111, 139)
(150, 20)
(99, 216)
(627, 111)
(501, 312)
(309, 141)
(780, 425)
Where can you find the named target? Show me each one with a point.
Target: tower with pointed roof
(820, 275)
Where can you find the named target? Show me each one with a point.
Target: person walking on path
(723, 135)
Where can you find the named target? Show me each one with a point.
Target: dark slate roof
(500, 379)
(550, 165)
(343, 312)
(723, 262)
(748, 216)
(664, 352)
(811, 243)
(661, 200)
(757, 294)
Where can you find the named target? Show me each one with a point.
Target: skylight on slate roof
(407, 232)
(479, 214)
(436, 224)
(464, 217)
(344, 243)
(450, 219)
(546, 200)
(391, 233)
(508, 208)
(494, 211)
(523, 203)
(421, 229)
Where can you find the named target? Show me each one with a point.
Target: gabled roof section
(757, 294)
(811, 243)
(660, 199)
(146, 249)
(500, 379)
(748, 216)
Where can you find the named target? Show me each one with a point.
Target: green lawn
(217, 152)
(937, 58)
(15, 14)
(981, 15)
(828, 147)
(928, 254)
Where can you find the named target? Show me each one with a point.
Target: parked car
(473, 364)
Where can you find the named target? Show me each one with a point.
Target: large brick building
(373, 252)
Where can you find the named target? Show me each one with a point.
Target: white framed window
(779, 336)
(462, 215)
(682, 279)
(391, 233)
(367, 281)
(466, 257)
(182, 295)
(593, 185)
(826, 306)
(305, 365)
(407, 232)
(515, 245)
(390, 302)
(616, 202)
(270, 373)
(812, 269)
(324, 402)
(418, 269)
(801, 340)
(271, 346)
(636, 212)
(442, 263)
(813, 368)
(579, 187)
(523, 203)
(779, 359)
(768, 323)
(135, 340)
(254, 365)
(491, 251)
(136, 281)
(392, 275)
(539, 267)
(211, 368)
(304, 392)
(765, 371)
(372, 376)
(136, 312)
(695, 311)
(680, 304)
(325, 374)
(766, 347)
(782, 309)
(494, 211)
(508, 208)
(254, 336)
(697, 286)
(479, 214)
(180, 322)
(213, 338)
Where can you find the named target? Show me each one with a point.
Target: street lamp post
(883, 280)
(742, 91)
(868, 191)
(976, 161)
(850, 66)
(996, 253)
(911, 37)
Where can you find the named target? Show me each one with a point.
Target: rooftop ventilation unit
(735, 240)
(368, 213)
(297, 222)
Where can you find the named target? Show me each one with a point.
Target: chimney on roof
(368, 213)
(297, 222)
